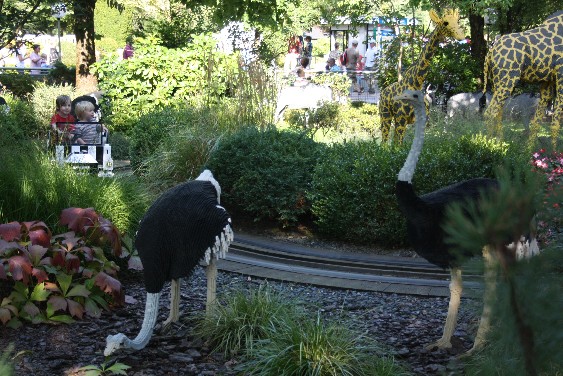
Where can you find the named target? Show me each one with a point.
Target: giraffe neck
(407, 172)
(426, 55)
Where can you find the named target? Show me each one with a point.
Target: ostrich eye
(415, 95)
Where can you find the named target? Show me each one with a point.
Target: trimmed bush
(353, 190)
(266, 174)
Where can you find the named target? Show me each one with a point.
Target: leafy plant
(115, 369)
(68, 273)
(20, 85)
(339, 83)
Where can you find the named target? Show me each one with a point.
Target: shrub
(20, 124)
(159, 76)
(266, 174)
(353, 190)
(21, 85)
(339, 83)
(61, 74)
(68, 274)
(120, 145)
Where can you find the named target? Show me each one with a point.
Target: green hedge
(353, 186)
(266, 174)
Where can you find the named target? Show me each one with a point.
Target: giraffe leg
(488, 297)
(174, 302)
(456, 289)
(545, 96)
(211, 274)
(493, 113)
(557, 109)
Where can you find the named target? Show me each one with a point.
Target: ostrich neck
(151, 313)
(407, 172)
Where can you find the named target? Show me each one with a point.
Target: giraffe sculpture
(401, 113)
(533, 56)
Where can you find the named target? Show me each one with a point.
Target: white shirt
(370, 57)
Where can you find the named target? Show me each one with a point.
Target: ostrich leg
(489, 295)
(174, 302)
(211, 274)
(455, 294)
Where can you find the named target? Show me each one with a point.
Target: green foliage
(105, 369)
(112, 27)
(454, 70)
(353, 193)
(267, 173)
(158, 76)
(120, 146)
(354, 183)
(6, 366)
(313, 347)
(32, 186)
(62, 74)
(19, 124)
(59, 277)
(68, 54)
(21, 85)
(244, 317)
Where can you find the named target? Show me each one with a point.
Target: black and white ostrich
(184, 226)
(425, 215)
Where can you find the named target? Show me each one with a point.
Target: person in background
(290, 62)
(62, 121)
(353, 57)
(35, 59)
(43, 61)
(335, 54)
(331, 65)
(300, 80)
(21, 56)
(360, 73)
(308, 49)
(87, 129)
(4, 106)
(128, 50)
(370, 65)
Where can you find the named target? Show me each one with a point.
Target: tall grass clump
(43, 100)
(6, 366)
(266, 174)
(33, 187)
(241, 318)
(313, 347)
(19, 123)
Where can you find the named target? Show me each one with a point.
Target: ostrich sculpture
(425, 216)
(183, 227)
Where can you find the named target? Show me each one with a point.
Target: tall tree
(85, 43)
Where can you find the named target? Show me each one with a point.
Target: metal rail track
(350, 271)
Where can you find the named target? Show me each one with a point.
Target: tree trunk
(478, 43)
(85, 45)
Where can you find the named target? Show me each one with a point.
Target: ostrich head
(450, 21)
(114, 343)
(208, 176)
(413, 97)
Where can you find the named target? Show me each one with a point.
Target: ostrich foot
(442, 343)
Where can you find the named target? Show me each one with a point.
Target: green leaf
(79, 290)
(40, 293)
(62, 318)
(64, 282)
(118, 368)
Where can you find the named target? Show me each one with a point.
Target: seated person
(93, 98)
(331, 65)
(87, 130)
(62, 120)
(301, 80)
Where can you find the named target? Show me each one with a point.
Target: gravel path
(404, 323)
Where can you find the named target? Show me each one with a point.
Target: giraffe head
(450, 22)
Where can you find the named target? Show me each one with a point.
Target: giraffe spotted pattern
(399, 113)
(533, 56)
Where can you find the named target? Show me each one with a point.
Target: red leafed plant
(56, 278)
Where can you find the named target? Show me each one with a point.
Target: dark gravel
(404, 323)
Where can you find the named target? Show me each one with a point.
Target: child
(62, 115)
(85, 131)
(43, 61)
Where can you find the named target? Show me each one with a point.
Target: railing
(36, 71)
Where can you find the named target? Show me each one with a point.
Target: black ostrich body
(184, 226)
(177, 230)
(425, 217)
